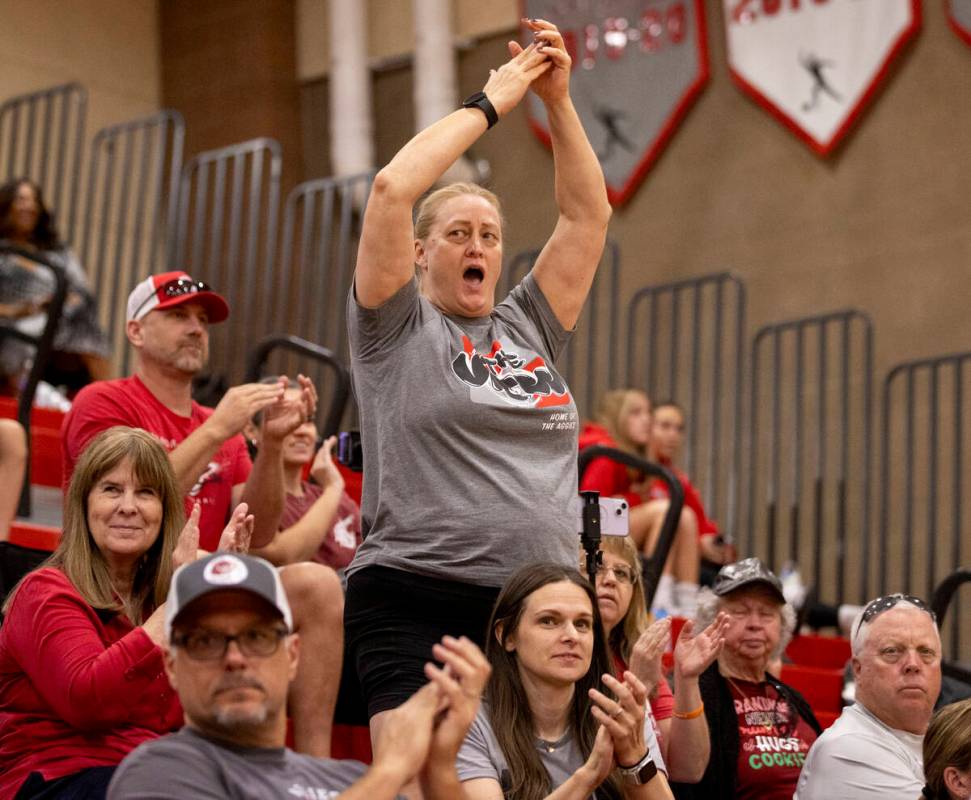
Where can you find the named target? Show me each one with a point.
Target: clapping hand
(623, 717)
(324, 471)
(693, 654)
(288, 413)
(554, 83)
(187, 547)
(236, 535)
(645, 657)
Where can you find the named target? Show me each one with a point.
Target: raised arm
(567, 264)
(386, 255)
(303, 539)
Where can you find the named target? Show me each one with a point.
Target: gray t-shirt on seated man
(189, 766)
(469, 437)
(481, 756)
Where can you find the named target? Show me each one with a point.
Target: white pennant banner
(959, 15)
(815, 63)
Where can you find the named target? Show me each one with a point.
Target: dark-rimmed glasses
(876, 607)
(204, 645)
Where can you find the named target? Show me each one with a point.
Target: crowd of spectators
(191, 622)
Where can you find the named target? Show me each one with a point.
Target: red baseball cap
(173, 289)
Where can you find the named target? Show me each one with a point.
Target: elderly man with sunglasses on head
(874, 749)
(168, 319)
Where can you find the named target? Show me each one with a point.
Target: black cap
(746, 572)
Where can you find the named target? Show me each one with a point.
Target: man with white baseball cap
(168, 326)
(230, 656)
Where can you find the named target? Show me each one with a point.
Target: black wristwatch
(642, 772)
(481, 102)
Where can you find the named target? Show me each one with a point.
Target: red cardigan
(78, 688)
(604, 475)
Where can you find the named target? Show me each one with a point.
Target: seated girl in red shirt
(624, 422)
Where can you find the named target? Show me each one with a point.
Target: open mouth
(474, 275)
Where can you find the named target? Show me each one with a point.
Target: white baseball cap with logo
(173, 289)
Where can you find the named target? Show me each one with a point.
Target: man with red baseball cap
(168, 318)
(173, 289)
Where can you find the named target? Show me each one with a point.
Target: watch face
(647, 772)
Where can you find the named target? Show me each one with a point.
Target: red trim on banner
(618, 197)
(957, 27)
(857, 111)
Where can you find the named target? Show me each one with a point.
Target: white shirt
(860, 757)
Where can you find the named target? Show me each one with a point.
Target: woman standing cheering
(469, 434)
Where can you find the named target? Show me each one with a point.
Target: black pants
(88, 784)
(391, 620)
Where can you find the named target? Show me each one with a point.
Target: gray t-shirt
(481, 756)
(469, 437)
(859, 758)
(189, 766)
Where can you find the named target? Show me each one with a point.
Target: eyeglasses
(621, 574)
(177, 287)
(876, 607)
(203, 645)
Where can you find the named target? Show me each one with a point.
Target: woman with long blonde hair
(82, 681)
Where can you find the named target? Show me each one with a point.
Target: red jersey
(604, 475)
(773, 742)
(692, 500)
(127, 401)
(79, 688)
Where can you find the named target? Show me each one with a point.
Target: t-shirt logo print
(507, 377)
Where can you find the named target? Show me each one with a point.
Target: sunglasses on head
(876, 607)
(177, 287)
(180, 286)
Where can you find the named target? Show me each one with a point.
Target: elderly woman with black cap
(760, 728)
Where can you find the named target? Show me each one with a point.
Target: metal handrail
(655, 564)
(940, 603)
(775, 516)
(342, 391)
(710, 392)
(44, 345)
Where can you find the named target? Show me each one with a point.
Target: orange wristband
(690, 714)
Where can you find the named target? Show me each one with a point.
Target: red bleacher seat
(819, 651)
(37, 537)
(820, 686)
(46, 465)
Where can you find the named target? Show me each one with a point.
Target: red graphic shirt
(127, 401)
(773, 742)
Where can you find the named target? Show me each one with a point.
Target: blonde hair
(947, 743)
(428, 208)
(611, 412)
(77, 555)
(626, 633)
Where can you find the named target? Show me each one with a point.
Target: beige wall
(109, 46)
(390, 28)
